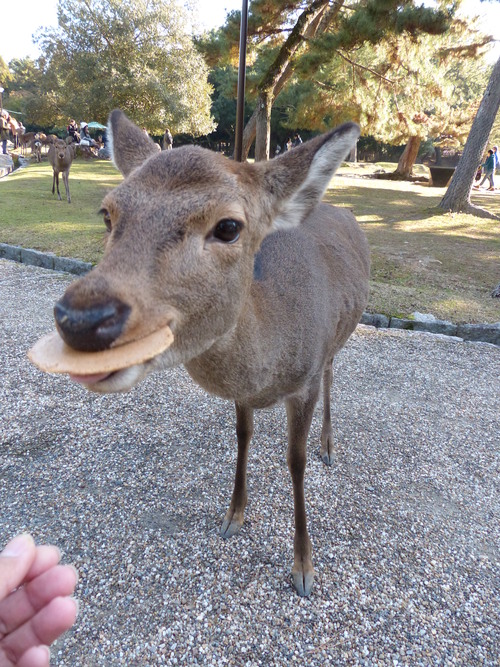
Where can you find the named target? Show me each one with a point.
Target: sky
(16, 36)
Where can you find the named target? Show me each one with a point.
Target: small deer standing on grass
(36, 148)
(60, 156)
(260, 283)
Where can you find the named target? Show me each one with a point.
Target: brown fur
(256, 321)
(60, 157)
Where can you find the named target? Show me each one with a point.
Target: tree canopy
(136, 55)
(302, 39)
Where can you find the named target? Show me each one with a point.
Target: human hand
(35, 602)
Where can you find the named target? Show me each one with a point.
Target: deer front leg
(235, 514)
(299, 414)
(327, 447)
(57, 184)
(66, 186)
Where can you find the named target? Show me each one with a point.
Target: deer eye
(106, 217)
(227, 231)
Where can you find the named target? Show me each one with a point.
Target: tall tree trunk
(407, 159)
(263, 126)
(457, 197)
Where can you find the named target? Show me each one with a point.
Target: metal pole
(240, 103)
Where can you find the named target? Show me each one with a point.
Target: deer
(260, 283)
(36, 147)
(60, 157)
(48, 140)
(26, 140)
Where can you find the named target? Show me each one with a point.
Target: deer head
(183, 230)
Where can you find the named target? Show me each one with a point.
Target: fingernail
(76, 573)
(17, 546)
(77, 606)
(47, 651)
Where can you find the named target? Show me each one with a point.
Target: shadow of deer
(60, 157)
(260, 283)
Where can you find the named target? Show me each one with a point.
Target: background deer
(26, 140)
(36, 147)
(259, 282)
(60, 156)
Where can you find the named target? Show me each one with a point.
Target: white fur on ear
(324, 164)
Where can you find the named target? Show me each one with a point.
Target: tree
(403, 89)
(305, 36)
(135, 55)
(457, 197)
(5, 74)
(442, 88)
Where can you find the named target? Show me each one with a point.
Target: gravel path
(133, 488)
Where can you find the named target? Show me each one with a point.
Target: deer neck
(232, 366)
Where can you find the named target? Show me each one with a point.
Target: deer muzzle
(91, 329)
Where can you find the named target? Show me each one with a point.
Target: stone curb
(485, 333)
(45, 260)
(6, 165)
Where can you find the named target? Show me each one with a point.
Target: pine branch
(363, 67)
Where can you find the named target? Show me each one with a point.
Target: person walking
(496, 156)
(489, 169)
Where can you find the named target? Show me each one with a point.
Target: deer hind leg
(235, 514)
(327, 446)
(299, 414)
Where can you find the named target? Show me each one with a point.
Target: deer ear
(297, 180)
(130, 146)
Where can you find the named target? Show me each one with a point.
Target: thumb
(15, 562)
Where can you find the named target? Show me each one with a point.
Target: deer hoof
(230, 526)
(303, 582)
(327, 449)
(327, 458)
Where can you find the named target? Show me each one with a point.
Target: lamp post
(240, 103)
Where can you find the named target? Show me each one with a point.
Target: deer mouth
(113, 369)
(92, 379)
(115, 382)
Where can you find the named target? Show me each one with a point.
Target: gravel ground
(133, 489)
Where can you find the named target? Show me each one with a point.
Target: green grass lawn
(32, 217)
(422, 259)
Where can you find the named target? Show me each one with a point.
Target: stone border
(45, 260)
(485, 333)
(6, 165)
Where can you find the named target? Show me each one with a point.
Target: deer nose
(91, 329)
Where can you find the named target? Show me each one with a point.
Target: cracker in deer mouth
(52, 355)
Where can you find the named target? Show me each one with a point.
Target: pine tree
(403, 89)
(313, 32)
